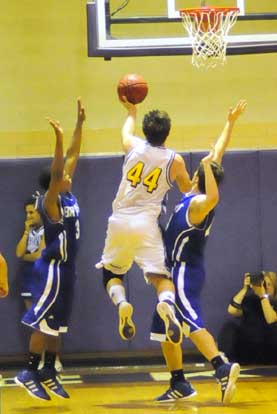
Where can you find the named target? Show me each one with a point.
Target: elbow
(213, 201)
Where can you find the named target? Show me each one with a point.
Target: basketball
(134, 87)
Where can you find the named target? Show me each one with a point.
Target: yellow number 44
(150, 181)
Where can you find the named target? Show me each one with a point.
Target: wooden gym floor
(132, 390)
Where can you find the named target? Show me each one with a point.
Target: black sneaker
(48, 378)
(181, 390)
(227, 375)
(126, 328)
(173, 329)
(29, 380)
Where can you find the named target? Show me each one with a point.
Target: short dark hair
(156, 126)
(218, 173)
(30, 201)
(44, 178)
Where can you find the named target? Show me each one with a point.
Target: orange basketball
(134, 87)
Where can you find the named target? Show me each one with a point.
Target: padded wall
(242, 239)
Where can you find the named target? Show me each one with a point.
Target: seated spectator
(252, 337)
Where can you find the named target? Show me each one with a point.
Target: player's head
(45, 178)
(156, 126)
(218, 173)
(32, 214)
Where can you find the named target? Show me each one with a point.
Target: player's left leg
(180, 388)
(28, 378)
(114, 286)
(165, 308)
(48, 374)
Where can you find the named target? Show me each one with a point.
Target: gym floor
(132, 389)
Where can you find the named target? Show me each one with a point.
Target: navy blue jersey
(183, 241)
(61, 237)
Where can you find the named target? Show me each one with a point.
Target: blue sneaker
(29, 380)
(181, 390)
(48, 378)
(173, 329)
(227, 375)
(126, 328)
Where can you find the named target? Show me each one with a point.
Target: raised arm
(224, 138)
(202, 204)
(178, 173)
(4, 285)
(57, 174)
(128, 138)
(73, 152)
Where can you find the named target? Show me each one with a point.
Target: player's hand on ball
(128, 105)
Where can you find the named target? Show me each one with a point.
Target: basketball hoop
(208, 28)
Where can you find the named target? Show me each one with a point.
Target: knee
(108, 276)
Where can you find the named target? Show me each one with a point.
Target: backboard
(118, 28)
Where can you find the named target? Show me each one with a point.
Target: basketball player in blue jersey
(4, 284)
(29, 249)
(55, 270)
(185, 237)
(133, 232)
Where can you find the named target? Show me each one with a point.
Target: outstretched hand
(56, 126)
(81, 114)
(235, 112)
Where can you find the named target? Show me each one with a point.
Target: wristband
(235, 304)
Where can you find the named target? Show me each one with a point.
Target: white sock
(117, 294)
(167, 295)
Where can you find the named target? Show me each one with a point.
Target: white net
(208, 29)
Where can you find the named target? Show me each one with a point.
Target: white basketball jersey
(145, 179)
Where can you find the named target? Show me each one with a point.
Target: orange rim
(206, 10)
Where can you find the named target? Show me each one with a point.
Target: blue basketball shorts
(52, 297)
(188, 280)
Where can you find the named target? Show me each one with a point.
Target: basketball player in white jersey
(133, 233)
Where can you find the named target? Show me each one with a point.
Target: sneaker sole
(231, 387)
(127, 329)
(171, 323)
(21, 384)
(176, 399)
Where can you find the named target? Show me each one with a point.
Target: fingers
(53, 123)
(241, 105)
(81, 115)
